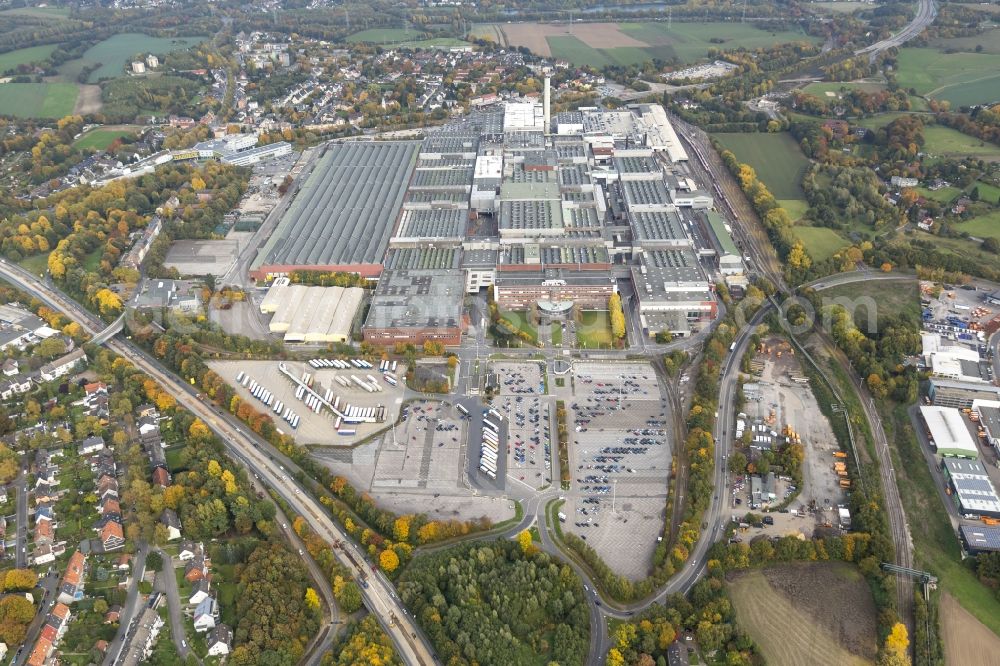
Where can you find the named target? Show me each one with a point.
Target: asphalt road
(128, 611)
(259, 457)
(926, 13)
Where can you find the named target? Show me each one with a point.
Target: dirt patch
(807, 613)
(594, 35)
(603, 36)
(88, 101)
(530, 35)
(966, 639)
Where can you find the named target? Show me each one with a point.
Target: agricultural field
(960, 78)
(966, 639)
(837, 7)
(37, 100)
(101, 138)
(776, 158)
(601, 44)
(894, 298)
(810, 613)
(820, 242)
(945, 141)
(115, 52)
(13, 59)
(436, 43)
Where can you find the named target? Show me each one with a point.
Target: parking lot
(517, 378)
(619, 462)
(313, 428)
(425, 451)
(529, 438)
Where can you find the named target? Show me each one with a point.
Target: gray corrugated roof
(346, 208)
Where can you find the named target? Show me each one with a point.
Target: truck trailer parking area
(619, 457)
(313, 427)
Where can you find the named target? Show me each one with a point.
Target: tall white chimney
(545, 106)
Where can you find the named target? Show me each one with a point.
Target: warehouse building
(980, 538)
(948, 432)
(416, 306)
(311, 314)
(972, 490)
(949, 393)
(673, 291)
(342, 217)
(517, 290)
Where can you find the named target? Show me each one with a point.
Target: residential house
(90, 445)
(16, 385)
(45, 492)
(199, 592)
(47, 553)
(124, 563)
(196, 569)
(146, 410)
(161, 476)
(188, 550)
(3, 495)
(40, 654)
(113, 614)
(205, 615)
(107, 486)
(219, 640)
(172, 522)
(44, 533)
(73, 581)
(112, 536)
(63, 365)
(10, 367)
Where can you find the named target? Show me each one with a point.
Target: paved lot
(313, 428)
(518, 378)
(424, 451)
(420, 468)
(619, 462)
(529, 438)
(203, 257)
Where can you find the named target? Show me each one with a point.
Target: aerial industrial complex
(551, 212)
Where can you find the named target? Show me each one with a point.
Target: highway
(926, 13)
(258, 457)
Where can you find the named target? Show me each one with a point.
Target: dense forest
(497, 604)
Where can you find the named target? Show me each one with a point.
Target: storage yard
(781, 410)
(619, 460)
(311, 416)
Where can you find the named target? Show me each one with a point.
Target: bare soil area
(594, 35)
(966, 639)
(89, 100)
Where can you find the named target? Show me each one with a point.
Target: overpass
(113, 329)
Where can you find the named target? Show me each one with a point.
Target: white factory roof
(489, 166)
(951, 435)
(312, 314)
(523, 116)
(957, 363)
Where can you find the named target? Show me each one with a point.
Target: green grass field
(55, 13)
(692, 41)
(115, 52)
(940, 140)
(36, 264)
(37, 100)
(820, 242)
(795, 208)
(989, 41)
(594, 329)
(984, 226)
(775, 157)
(837, 7)
(820, 88)
(100, 139)
(893, 298)
(567, 47)
(436, 43)
(960, 78)
(12, 59)
(385, 36)
(944, 195)
(987, 192)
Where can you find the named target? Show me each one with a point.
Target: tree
(991, 245)
(19, 580)
(525, 541)
(312, 599)
(388, 560)
(100, 606)
(617, 315)
(51, 347)
(15, 614)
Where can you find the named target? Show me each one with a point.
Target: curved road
(259, 458)
(926, 13)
